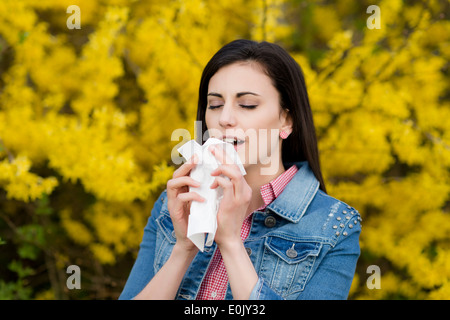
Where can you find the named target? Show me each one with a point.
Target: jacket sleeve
(143, 271)
(333, 276)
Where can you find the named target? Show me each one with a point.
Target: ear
(286, 121)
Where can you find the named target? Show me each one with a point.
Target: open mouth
(234, 141)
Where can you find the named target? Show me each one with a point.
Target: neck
(255, 180)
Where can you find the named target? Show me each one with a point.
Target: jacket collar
(292, 203)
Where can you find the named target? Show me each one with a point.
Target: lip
(238, 146)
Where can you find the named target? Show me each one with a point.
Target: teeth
(229, 140)
(232, 140)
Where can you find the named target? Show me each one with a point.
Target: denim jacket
(303, 245)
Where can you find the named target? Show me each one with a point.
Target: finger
(231, 172)
(220, 153)
(183, 201)
(227, 186)
(190, 196)
(186, 168)
(180, 185)
(228, 167)
(181, 182)
(235, 176)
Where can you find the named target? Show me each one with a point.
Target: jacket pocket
(165, 240)
(287, 263)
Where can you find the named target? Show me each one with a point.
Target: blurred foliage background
(86, 117)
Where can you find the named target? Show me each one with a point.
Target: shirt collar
(270, 191)
(292, 203)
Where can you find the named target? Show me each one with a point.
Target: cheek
(208, 119)
(268, 144)
(263, 146)
(211, 124)
(268, 136)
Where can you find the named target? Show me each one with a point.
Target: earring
(284, 135)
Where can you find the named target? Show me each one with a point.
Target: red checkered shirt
(214, 285)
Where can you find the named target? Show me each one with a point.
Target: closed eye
(215, 107)
(245, 106)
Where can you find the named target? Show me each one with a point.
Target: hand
(179, 201)
(236, 198)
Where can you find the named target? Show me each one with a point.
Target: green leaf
(22, 272)
(28, 251)
(43, 205)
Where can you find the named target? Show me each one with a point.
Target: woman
(279, 235)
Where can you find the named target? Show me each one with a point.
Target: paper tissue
(203, 215)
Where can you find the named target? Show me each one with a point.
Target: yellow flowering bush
(87, 115)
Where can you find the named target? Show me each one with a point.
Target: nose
(227, 117)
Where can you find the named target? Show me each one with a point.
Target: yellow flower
(77, 231)
(102, 253)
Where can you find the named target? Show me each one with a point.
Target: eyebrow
(239, 94)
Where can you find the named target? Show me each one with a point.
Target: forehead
(241, 76)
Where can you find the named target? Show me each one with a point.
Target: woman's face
(244, 105)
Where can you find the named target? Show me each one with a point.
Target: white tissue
(203, 215)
